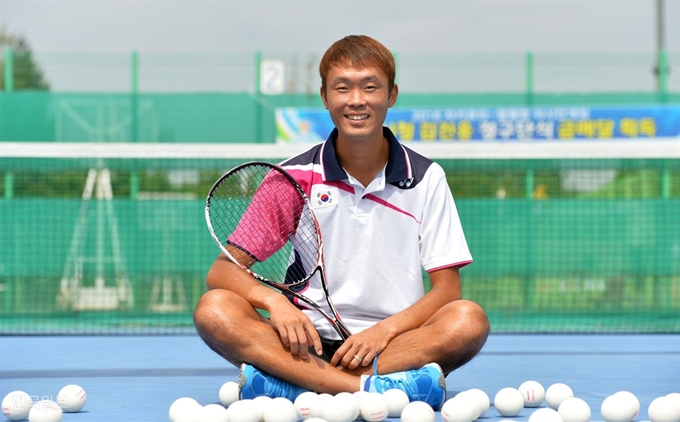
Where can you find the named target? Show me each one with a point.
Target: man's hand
(360, 349)
(294, 327)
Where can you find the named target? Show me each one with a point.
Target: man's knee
(465, 331)
(213, 309)
(219, 320)
(469, 321)
(474, 314)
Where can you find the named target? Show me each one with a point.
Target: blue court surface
(136, 378)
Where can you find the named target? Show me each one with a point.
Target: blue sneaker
(254, 383)
(426, 384)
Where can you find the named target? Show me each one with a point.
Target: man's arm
(295, 329)
(226, 275)
(445, 289)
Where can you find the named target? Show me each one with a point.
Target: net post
(9, 185)
(134, 185)
(663, 73)
(134, 90)
(665, 183)
(9, 70)
(134, 71)
(258, 76)
(134, 86)
(529, 184)
(258, 95)
(529, 76)
(529, 253)
(8, 295)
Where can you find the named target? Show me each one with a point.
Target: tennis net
(567, 237)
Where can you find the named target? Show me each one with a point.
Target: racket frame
(335, 320)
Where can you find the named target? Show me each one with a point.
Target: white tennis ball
(556, 393)
(374, 407)
(181, 403)
(187, 414)
(675, 403)
(396, 402)
(545, 414)
(533, 393)
(459, 409)
(662, 409)
(72, 398)
(632, 400)
(317, 410)
(305, 404)
(470, 399)
(280, 410)
(508, 402)
(16, 405)
(352, 401)
(229, 393)
(574, 409)
(616, 408)
(261, 404)
(483, 399)
(417, 411)
(243, 411)
(338, 409)
(45, 411)
(212, 413)
(360, 395)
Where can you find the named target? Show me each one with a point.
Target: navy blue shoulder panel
(311, 156)
(419, 165)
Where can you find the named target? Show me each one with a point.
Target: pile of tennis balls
(561, 405)
(20, 406)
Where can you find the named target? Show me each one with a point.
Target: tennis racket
(262, 220)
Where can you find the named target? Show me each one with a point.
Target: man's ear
(322, 92)
(393, 95)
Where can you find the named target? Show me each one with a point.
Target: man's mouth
(357, 116)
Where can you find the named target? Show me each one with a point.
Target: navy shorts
(329, 348)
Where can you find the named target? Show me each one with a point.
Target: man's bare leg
(232, 328)
(451, 337)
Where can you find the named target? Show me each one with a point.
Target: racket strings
(266, 224)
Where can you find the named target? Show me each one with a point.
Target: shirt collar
(398, 167)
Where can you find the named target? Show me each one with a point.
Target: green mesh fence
(224, 117)
(431, 72)
(100, 245)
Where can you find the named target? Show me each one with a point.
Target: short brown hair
(358, 51)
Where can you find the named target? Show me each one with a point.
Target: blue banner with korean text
(502, 124)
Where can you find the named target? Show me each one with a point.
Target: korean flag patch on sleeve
(324, 196)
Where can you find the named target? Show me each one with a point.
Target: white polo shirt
(378, 239)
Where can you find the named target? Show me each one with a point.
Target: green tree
(27, 73)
